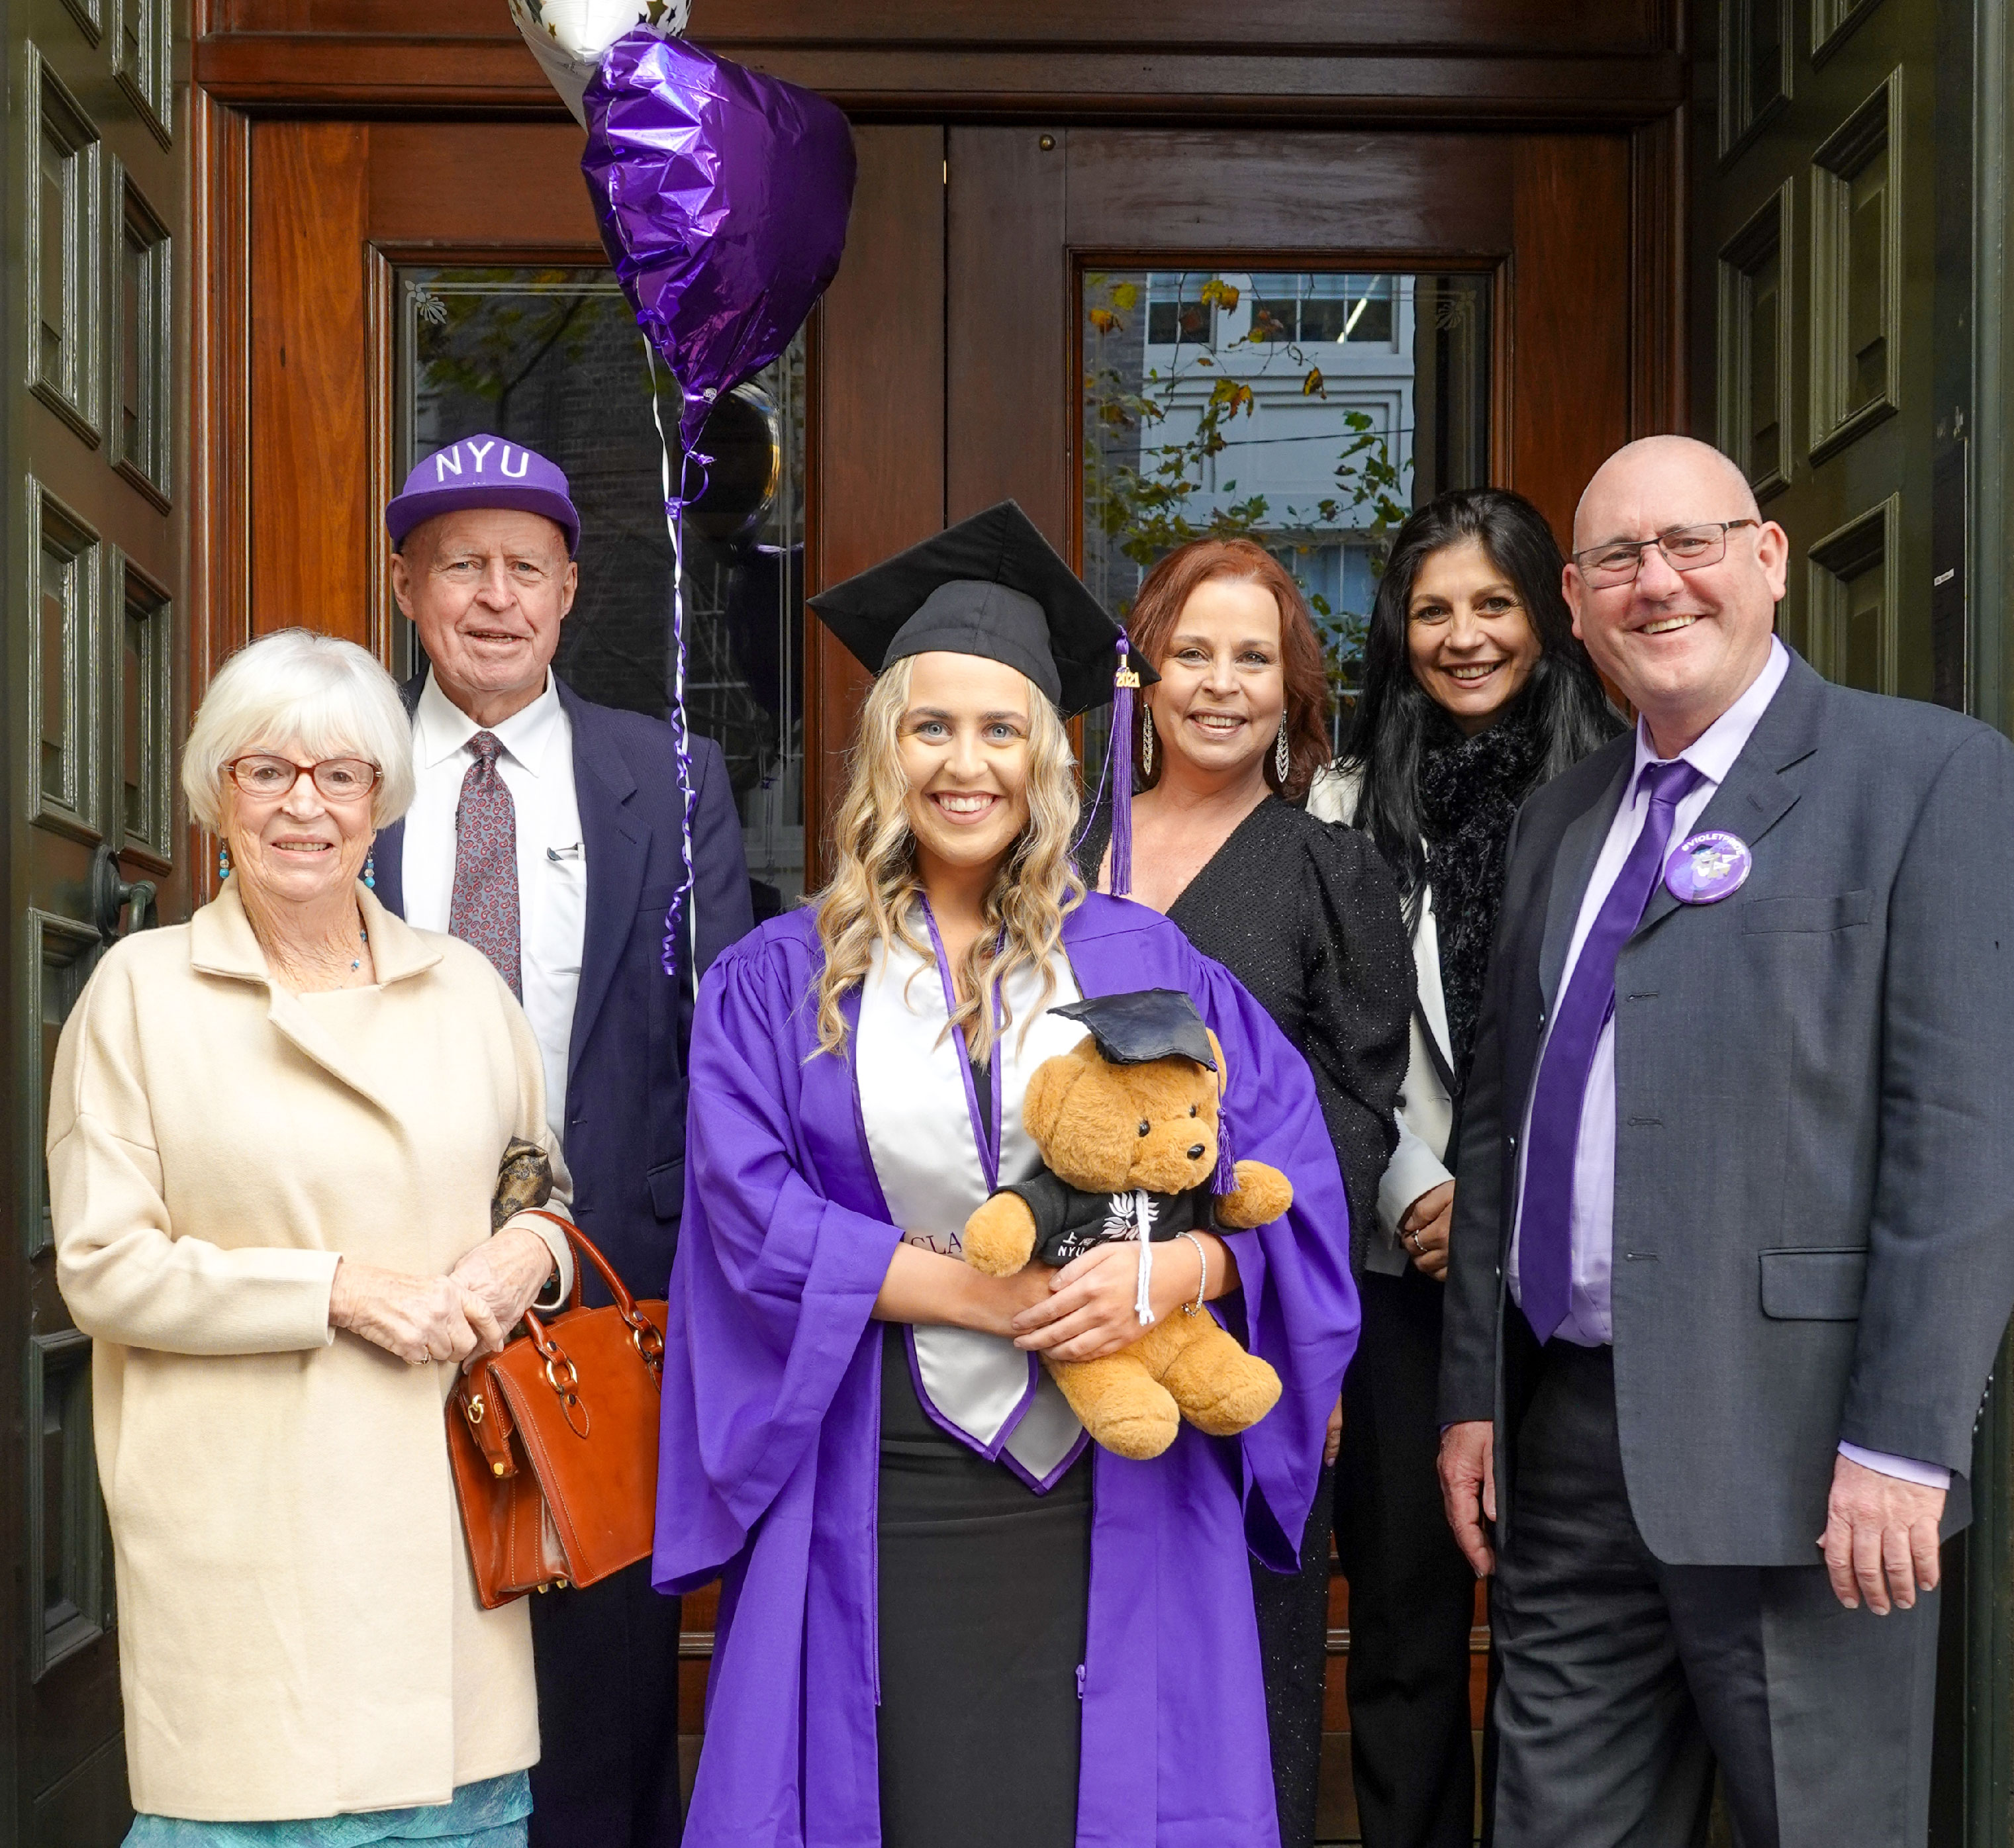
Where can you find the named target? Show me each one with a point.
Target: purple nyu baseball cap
(483, 471)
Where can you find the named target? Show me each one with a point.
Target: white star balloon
(568, 37)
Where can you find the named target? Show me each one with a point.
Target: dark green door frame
(1989, 1595)
(1989, 1576)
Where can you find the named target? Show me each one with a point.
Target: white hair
(295, 688)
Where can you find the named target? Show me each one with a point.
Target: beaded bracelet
(1202, 1281)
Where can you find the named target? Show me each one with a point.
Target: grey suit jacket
(1815, 1123)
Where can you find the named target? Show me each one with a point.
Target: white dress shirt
(537, 765)
(1589, 1320)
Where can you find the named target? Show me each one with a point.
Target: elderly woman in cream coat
(273, 1138)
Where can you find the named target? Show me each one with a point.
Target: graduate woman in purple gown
(944, 1618)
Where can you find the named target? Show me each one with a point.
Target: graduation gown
(770, 1448)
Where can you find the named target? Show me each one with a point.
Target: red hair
(1165, 593)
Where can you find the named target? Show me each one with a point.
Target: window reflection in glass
(1311, 410)
(1171, 319)
(551, 358)
(1334, 310)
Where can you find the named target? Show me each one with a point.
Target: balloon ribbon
(675, 506)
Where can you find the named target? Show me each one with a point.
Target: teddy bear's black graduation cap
(991, 585)
(1149, 1023)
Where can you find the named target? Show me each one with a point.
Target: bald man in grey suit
(1733, 1242)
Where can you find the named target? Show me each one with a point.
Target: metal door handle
(113, 898)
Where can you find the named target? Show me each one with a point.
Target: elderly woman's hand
(508, 1272)
(418, 1318)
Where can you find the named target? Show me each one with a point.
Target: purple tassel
(1227, 1168)
(1124, 683)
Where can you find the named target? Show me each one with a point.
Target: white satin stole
(917, 1107)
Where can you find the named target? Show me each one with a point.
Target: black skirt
(983, 1590)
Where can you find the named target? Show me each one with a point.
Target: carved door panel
(94, 552)
(1840, 376)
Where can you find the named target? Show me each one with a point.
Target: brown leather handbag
(553, 1443)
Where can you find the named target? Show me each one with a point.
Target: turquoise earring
(370, 869)
(223, 862)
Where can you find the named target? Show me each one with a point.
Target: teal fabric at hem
(490, 1814)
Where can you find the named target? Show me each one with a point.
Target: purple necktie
(484, 909)
(1545, 1223)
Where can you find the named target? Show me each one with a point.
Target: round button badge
(1704, 868)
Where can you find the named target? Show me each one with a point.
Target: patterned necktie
(484, 909)
(1545, 1224)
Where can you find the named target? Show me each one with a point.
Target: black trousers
(1411, 1600)
(1412, 1595)
(606, 1659)
(1624, 1680)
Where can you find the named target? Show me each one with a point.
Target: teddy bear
(1127, 1124)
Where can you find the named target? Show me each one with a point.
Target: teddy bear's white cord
(1143, 1219)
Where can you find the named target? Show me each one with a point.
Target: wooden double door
(947, 368)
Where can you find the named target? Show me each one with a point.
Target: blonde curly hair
(872, 896)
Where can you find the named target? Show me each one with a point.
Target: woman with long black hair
(1475, 691)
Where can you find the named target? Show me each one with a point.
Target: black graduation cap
(991, 585)
(1149, 1023)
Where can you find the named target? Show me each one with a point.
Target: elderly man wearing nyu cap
(547, 832)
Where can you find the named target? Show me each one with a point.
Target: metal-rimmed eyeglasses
(1686, 549)
(336, 779)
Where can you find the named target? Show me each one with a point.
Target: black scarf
(1469, 789)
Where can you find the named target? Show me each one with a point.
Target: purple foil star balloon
(722, 195)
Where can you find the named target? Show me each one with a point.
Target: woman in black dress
(1306, 916)
(1475, 692)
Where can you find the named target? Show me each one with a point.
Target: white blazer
(1426, 1111)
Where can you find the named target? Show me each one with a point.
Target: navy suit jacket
(625, 1121)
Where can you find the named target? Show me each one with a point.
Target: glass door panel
(1310, 411)
(551, 357)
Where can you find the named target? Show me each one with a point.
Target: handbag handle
(650, 1343)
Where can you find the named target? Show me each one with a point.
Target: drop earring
(370, 869)
(1282, 760)
(1146, 744)
(223, 862)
